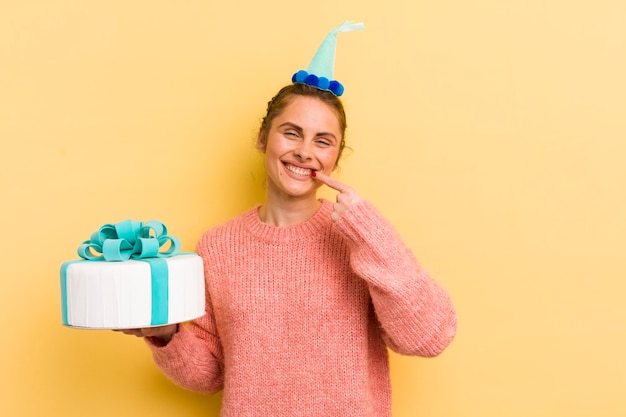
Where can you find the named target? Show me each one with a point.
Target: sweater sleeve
(416, 315)
(193, 358)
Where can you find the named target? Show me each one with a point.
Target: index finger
(330, 181)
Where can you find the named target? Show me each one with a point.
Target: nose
(303, 151)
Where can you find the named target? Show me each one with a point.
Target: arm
(193, 357)
(188, 354)
(415, 313)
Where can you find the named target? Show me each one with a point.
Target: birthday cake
(126, 279)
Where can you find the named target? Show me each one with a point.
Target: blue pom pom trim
(323, 83)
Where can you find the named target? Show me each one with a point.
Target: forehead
(310, 113)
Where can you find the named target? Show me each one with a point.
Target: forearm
(190, 361)
(418, 318)
(416, 314)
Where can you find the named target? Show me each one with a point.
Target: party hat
(320, 71)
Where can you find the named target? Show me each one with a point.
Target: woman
(303, 295)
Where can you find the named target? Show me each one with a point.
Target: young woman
(304, 296)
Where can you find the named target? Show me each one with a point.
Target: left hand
(347, 196)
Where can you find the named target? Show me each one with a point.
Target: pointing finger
(330, 181)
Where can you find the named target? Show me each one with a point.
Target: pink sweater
(299, 318)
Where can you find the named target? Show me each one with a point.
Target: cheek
(272, 159)
(330, 159)
(276, 145)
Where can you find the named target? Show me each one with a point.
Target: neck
(281, 211)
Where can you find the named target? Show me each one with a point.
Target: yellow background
(492, 134)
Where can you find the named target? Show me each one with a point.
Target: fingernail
(314, 174)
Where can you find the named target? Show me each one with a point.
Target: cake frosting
(126, 280)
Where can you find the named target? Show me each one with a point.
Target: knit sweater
(299, 318)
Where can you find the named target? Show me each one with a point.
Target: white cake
(97, 294)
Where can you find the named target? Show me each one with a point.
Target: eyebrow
(300, 130)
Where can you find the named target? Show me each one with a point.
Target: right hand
(162, 333)
(347, 196)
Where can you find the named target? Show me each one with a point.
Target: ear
(261, 141)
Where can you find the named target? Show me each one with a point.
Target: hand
(346, 197)
(162, 333)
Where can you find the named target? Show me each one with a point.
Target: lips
(303, 172)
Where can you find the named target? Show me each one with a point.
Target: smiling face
(305, 137)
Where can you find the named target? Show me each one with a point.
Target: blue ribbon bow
(129, 239)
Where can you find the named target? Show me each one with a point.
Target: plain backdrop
(491, 134)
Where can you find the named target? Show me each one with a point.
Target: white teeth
(297, 170)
